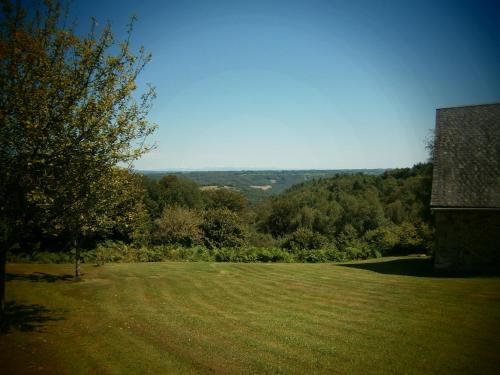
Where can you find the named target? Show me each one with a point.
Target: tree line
(353, 216)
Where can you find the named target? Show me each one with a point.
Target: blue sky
(305, 84)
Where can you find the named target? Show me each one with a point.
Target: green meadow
(386, 316)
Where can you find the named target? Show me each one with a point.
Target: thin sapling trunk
(3, 259)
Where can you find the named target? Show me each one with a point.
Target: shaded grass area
(38, 277)
(421, 267)
(373, 317)
(26, 318)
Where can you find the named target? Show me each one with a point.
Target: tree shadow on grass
(27, 318)
(38, 277)
(421, 267)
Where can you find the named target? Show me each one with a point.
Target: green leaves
(69, 115)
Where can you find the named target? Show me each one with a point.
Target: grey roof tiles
(467, 157)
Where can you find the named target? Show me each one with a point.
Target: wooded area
(349, 216)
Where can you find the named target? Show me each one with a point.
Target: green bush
(258, 239)
(178, 225)
(385, 239)
(223, 228)
(304, 238)
(311, 256)
(224, 198)
(41, 257)
(119, 252)
(359, 250)
(251, 254)
(110, 252)
(150, 254)
(332, 254)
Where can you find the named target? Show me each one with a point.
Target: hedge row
(118, 252)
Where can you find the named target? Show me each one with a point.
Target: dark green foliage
(251, 254)
(364, 215)
(350, 216)
(170, 191)
(223, 228)
(385, 238)
(178, 191)
(304, 238)
(224, 198)
(259, 239)
(243, 181)
(282, 216)
(178, 225)
(119, 252)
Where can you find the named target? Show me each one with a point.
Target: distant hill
(256, 185)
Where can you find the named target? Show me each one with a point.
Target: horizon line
(229, 169)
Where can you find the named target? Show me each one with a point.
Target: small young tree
(68, 117)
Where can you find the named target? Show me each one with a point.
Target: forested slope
(347, 216)
(387, 213)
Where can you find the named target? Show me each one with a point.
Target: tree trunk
(77, 260)
(3, 259)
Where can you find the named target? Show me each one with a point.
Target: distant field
(388, 316)
(256, 185)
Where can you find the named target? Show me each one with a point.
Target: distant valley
(256, 185)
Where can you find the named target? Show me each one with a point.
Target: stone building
(466, 189)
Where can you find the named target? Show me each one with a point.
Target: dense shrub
(224, 198)
(311, 256)
(385, 239)
(258, 239)
(174, 191)
(415, 238)
(252, 254)
(40, 257)
(178, 225)
(304, 238)
(223, 228)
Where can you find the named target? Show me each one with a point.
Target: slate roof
(467, 157)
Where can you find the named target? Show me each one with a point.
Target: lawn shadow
(27, 318)
(37, 277)
(421, 267)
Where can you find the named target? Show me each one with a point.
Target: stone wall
(467, 241)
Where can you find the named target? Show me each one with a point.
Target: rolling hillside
(256, 185)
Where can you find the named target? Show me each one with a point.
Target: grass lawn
(375, 317)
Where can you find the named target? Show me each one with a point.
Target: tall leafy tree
(68, 116)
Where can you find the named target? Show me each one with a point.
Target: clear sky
(306, 84)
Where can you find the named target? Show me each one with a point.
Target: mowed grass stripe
(232, 328)
(260, 318)
(207, 286)
(203, 331)
(231, 286)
